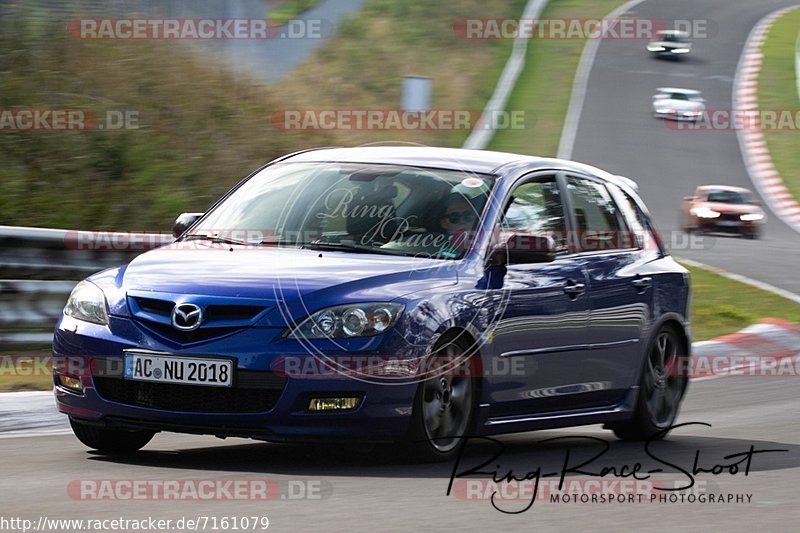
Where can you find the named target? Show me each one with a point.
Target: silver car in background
(678, 104)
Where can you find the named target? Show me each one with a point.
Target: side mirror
(183, 222)
(522, 249)
(688, 198)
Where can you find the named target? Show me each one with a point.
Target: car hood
(680, 105)
(670, 44)
(271, 274)
(731, 209)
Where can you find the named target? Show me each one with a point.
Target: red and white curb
(767, 349)
(751, 140)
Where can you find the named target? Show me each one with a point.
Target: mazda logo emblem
(187, 317)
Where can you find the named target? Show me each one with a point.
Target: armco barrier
(39, 267)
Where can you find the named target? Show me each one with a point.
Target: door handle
(642, 284)
(574, 289)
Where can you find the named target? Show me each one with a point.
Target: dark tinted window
(596, 215)
(730, 197)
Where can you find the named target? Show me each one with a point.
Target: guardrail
(39, 267)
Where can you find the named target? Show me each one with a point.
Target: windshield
(730, 197)
(673, 38)
(368, 208)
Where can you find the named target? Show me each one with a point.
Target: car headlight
(88, 303)
(347, 321)
(680, 50)
(705, 212)
(655, 48)
(752, 217)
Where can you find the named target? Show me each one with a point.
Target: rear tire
(661, 388)
(108, 440)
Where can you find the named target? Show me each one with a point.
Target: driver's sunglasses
(468, 217)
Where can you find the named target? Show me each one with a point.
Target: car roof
(425, 156)
(677, 90)
(672, 32)
(730, 188)
(481, 161)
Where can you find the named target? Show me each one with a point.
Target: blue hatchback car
(386, 294)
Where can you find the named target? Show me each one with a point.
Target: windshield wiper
(214, 239)
(343, 247)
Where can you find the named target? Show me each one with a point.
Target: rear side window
(596, 215)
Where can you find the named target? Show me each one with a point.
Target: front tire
(661, 388)
(444, 406)
(108, 440)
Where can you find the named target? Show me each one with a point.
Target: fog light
(333, 404)
(71, 383)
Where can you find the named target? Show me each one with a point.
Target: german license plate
(728, 223)
(165, 368)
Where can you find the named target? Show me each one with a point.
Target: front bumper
(266, 402)
(668, 53)
(729, 225)
(689, 116)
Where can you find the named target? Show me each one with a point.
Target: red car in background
(723, 208)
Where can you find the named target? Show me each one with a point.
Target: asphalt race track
(361, 490)
(356, 490)
(618, 133)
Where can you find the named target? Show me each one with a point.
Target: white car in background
(678, 104)
(670, 44)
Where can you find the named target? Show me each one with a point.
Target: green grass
(363, 66)
(14, 383)
(16, 375)
(290, 10)
(201, 128)
(777, 90)
(545, 84)
(721, 305)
